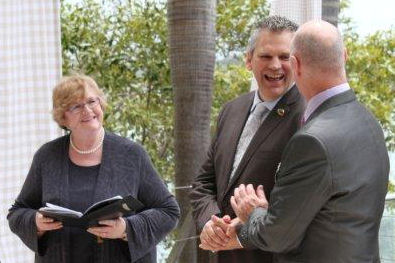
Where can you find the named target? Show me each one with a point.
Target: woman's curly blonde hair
(69, 91)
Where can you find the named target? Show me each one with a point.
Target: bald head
(319, 46)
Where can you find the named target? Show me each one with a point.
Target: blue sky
(370, 16)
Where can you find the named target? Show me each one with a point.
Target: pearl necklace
(91, 150)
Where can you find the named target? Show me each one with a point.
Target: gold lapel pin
(281, 112)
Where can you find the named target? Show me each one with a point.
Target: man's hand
(245, 200)
(229, 228)
(231, 231)
(213, 237)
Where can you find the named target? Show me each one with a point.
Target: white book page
(55, 208)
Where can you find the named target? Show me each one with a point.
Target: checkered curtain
(299, 11)
(30, 66)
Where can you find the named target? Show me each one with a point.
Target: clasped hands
(220, 233)
(112, 229)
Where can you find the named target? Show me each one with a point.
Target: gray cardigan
(125, 169)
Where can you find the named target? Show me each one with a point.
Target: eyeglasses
(91, 103)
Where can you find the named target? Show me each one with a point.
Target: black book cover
(106, 209)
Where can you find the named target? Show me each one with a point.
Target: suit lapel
(271, 122)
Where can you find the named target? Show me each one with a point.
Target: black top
(82, 185)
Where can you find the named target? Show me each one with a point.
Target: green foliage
(391, 187)
(231, 80)
(123, 45)
(345, 21)
(371, 74)
(235, 19)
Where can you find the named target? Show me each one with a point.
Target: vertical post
(192, 57)
(330, 11)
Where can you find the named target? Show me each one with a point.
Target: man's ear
(345, 54)
(248, 61)
(295, 65)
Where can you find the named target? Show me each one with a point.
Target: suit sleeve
(22, 215)
(302, 188)
(204, 188)
(147, 228)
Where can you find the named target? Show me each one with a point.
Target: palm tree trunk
(192, 58)
(330, 11)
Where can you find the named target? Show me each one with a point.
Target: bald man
(329, 193)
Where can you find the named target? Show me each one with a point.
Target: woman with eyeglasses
(85, 166)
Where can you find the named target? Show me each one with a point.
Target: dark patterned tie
(254, 121)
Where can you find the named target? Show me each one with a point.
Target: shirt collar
(321, 97)
(269, 104)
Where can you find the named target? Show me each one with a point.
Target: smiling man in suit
(252, 131)
(329, 194)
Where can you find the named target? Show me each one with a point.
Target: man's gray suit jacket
(329, 194)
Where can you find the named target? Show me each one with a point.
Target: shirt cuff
(238, 241)
(243, 230)
(242, 235)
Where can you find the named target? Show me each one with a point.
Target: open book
(110, 208)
